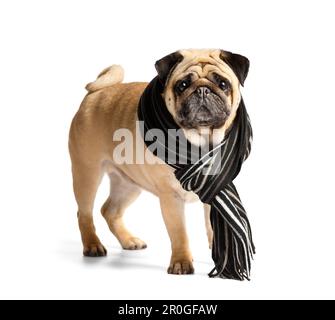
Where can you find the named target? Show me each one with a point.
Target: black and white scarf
(211, 178)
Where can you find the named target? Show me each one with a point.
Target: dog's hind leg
(86, 180)
(122, 193)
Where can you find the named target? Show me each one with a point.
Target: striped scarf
(210, 177)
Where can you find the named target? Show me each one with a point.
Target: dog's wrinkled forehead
(202, 61)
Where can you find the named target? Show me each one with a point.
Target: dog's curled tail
(106, 78)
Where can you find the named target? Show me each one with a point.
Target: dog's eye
(182, 85)
(223, 85)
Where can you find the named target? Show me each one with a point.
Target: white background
(51, 49)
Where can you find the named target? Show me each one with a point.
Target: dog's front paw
(181, 266)
(95, 250)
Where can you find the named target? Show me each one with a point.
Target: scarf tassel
(231, 251)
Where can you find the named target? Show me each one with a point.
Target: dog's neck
(204, 136)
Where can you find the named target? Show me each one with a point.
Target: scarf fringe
(232, 251)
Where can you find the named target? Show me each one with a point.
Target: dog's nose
(202, 92)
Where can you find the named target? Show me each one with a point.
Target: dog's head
(202, 90)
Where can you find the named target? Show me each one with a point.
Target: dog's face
(202, 90)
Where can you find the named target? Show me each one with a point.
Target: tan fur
(209, 230)
(111, 105)
(107, 77)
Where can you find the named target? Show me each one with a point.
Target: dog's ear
(166, 65)
(238, 63)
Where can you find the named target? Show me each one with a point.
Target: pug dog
(201, 92)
